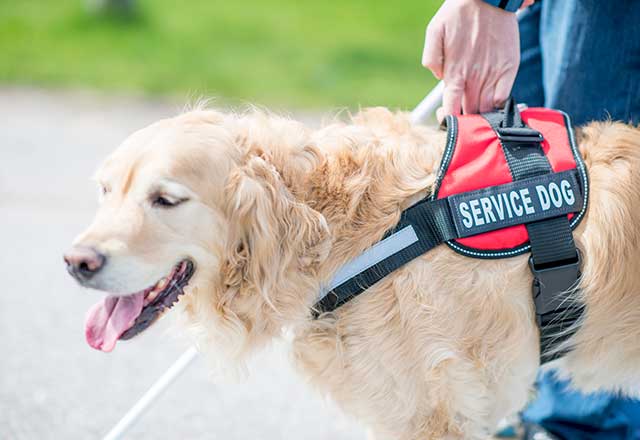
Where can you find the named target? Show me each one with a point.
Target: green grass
(330, 53)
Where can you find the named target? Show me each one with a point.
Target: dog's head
(192, 205)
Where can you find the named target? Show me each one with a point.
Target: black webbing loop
(555, 262)
(432, 223)
(510, 115)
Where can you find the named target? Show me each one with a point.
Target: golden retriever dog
(242, 218)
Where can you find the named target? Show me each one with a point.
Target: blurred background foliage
(295, 53)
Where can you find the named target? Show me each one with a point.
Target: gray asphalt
(52, 385)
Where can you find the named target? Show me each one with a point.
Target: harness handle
(510, 128)
(512, 118)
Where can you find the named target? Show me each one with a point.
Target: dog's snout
(83, 262)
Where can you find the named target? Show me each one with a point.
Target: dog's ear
(270, 232)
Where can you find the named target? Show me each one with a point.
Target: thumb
(452, 97)
(503, 89)
(433, 54)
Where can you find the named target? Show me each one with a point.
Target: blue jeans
(574, 416)
(583, 57)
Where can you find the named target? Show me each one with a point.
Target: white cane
(426, 107)
(152, 395)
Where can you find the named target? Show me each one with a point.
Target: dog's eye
(166, 201)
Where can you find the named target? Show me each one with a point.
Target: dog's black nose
(83, 262)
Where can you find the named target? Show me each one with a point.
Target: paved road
(52, 385)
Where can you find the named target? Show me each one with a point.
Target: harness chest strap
(535, 196)
(555, 261)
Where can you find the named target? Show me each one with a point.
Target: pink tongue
(110, 318)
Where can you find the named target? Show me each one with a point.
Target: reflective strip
(394, 243)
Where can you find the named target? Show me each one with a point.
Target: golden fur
(442, 348)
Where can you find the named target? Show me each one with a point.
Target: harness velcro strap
(523, 201)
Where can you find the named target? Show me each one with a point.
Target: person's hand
(475, 48)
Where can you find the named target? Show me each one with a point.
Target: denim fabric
(574, 416)
(583, 57)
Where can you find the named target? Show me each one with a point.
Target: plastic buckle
(519, 134)
(553, 285)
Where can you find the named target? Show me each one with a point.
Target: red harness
(476, 160)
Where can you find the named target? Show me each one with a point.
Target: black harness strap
(555, 261)
(432, 224)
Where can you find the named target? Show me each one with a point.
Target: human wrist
(507, 5)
